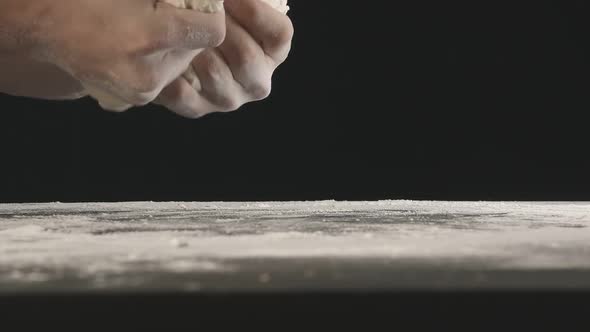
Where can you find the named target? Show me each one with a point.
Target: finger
(181, 98)
(249, 65)
(171, 64)
(217, 82)
(272, 29)
(186, 28)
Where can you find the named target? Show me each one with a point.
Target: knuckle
(283, 35)
(178, 93)
(231, 105)
(260, 90)
(247, 56)
(186, 111)
(178, 100)
(228, 103)
(215, 71)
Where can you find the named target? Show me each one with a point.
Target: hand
(29, 78)
(258, 39)
(131, 49)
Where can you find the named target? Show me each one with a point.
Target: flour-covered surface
(208, 247)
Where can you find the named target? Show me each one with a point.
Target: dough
(213, 6)
(207, 6)
(110, 102)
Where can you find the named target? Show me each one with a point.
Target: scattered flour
(40, 241)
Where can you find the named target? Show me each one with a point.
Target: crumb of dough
(178, 243)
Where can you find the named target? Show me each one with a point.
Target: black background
(467, 100)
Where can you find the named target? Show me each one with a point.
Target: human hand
(258, 39)
(29, 78)
(130, 49)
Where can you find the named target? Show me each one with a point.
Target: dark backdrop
(420, 99)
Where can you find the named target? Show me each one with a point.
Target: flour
(110, 102)
(116, 244)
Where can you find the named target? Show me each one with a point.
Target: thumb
(198, 25)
